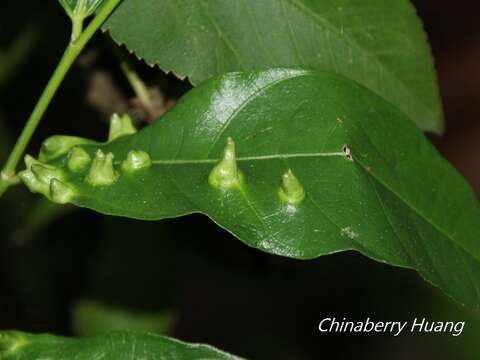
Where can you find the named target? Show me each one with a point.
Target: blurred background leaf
(93, 318)
(16, 55)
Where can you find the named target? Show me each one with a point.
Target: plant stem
(77, 28)
(70, 55)
(137, 84)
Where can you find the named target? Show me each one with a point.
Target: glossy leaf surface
(378, 43)
(294, 163)
(113, 346)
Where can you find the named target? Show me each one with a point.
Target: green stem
(70, 55)
(77, 28)
(137, 84)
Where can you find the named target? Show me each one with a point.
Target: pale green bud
(291, 190)
(226, 175)
(29, 161)
(102, 172)
(120, 126)
(58, 145)
(60, 192)
(78, 159)
(45, 173)
(32, 183)
(47, 180)
(136, 160)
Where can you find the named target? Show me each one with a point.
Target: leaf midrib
(246, 158)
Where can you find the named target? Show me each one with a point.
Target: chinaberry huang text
(419, 325)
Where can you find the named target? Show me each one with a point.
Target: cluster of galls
(226, 175)
(50, 180)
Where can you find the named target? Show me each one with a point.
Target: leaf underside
(378, 43)
(396, 200)
(113, 346)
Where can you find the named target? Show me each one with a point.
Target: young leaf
(378, 43)
(80, 8)
(119, 345)
(295, 163)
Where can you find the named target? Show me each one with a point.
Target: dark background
(203, 284)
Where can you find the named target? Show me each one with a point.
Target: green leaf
(112, 346)
(295, 163)
(378, 43)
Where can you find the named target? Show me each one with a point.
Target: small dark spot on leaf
(347, 152)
